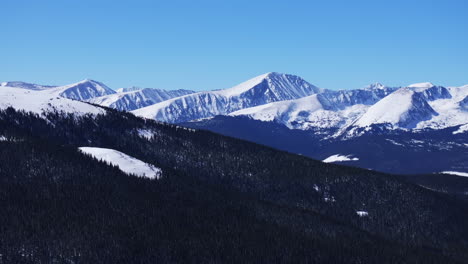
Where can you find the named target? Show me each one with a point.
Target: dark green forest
(220, 200)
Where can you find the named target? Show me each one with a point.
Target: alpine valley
(273, 170)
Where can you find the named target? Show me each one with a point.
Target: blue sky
(205, 45)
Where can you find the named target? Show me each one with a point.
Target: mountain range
(84, 183)
(330, 122)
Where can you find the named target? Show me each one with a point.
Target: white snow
(461, 129)
(3, 138)
(316, 188)
(464, 174)
(145, 133)
(362, 213)
(125, 163)
(43, 101)
(394, 142)
(339, 158)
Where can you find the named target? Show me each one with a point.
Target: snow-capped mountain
(329, 109)
(25, 85)
(263, 89)
(83, 90)
(416, 106)
(44, 101)
(133, 99)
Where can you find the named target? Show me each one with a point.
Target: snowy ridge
(125, 163)
(329, 109)
(134, 99)
(263, 89)
(43, 101)
(28, 86)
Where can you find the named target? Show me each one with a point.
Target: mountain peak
(87, 80)
(375, 85)
(263, 89)
(84, 90)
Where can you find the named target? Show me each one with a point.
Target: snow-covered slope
(83, 90)
(126, 163)
(134, 99)
(403, 108)
(263, 89)
(43, 101)
(25, 85)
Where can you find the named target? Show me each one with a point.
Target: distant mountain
(83, 90)
(263, 89)
(387, 129)
(25, 85)
(133, 98)
(44, 101)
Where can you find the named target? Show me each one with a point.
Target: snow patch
(339, 158)
(461, 129)
(464, 174)
(125, 163)
(394, 142)
(362, 213)
(145, 133)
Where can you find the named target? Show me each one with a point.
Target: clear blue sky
(204, 45)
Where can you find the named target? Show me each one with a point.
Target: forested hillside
(219, 200)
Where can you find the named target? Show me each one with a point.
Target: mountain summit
(83, 90)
